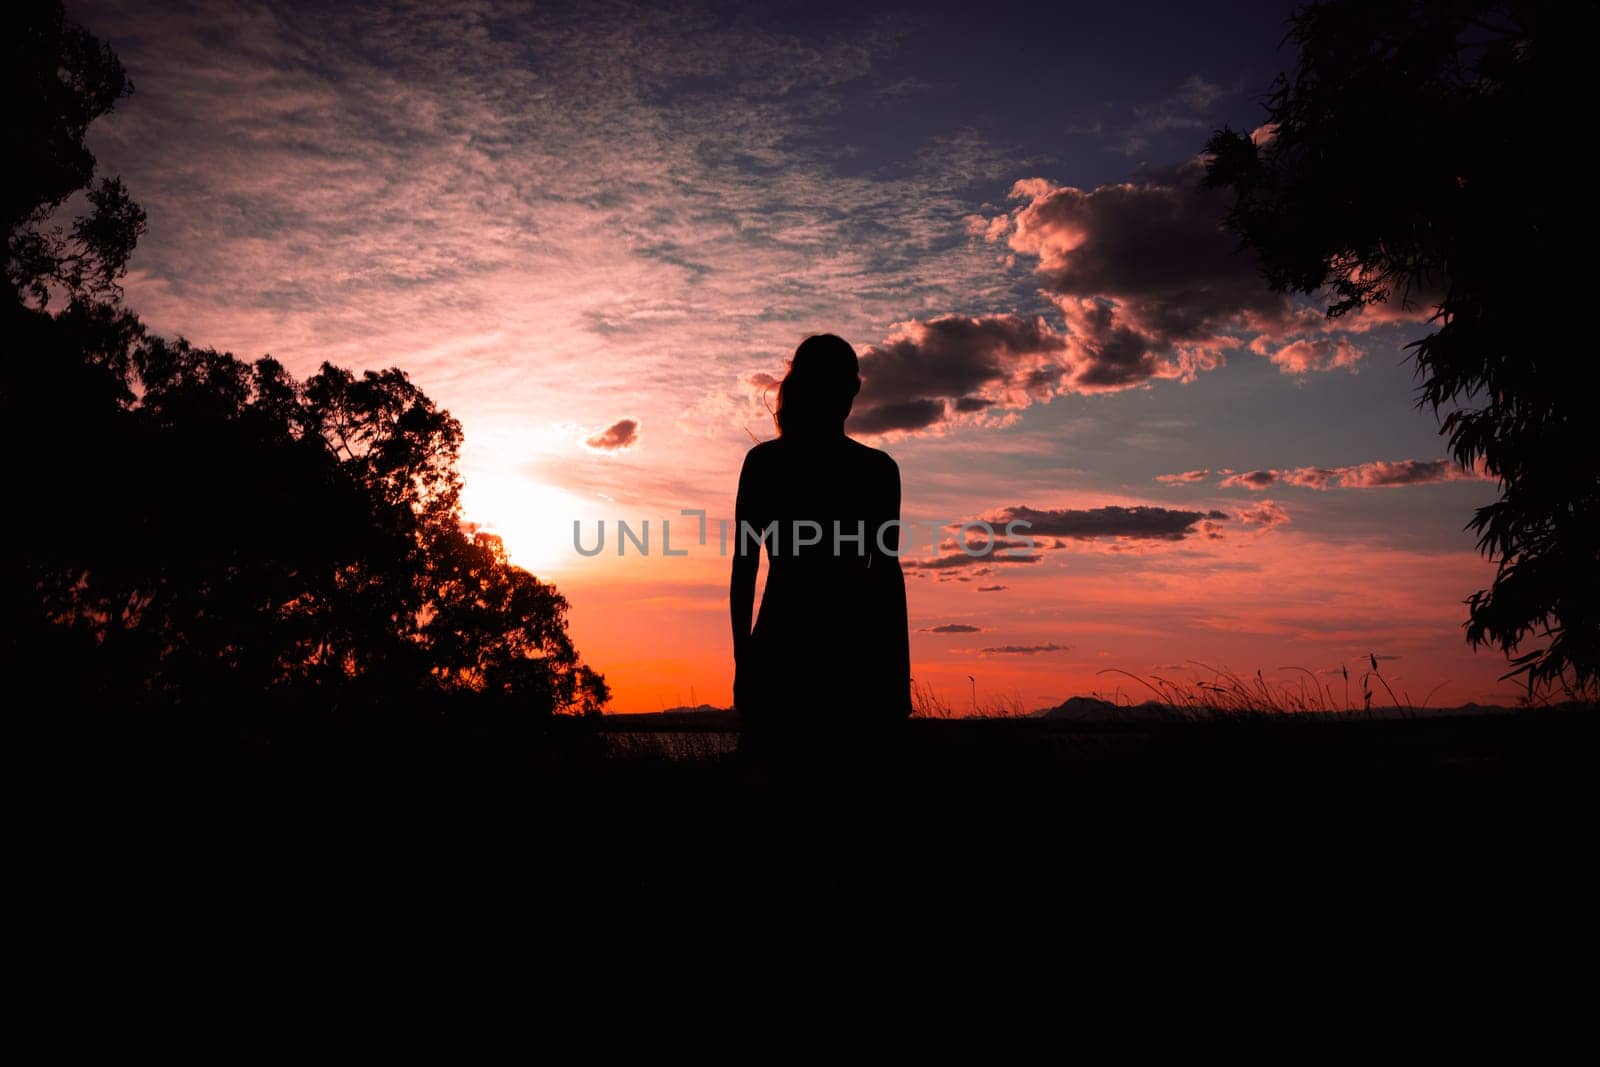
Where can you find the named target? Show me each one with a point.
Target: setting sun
(532, 520)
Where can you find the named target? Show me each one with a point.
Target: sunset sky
(595, 232)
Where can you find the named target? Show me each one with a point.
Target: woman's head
(823, 380)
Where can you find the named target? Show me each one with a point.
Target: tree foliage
(1411, 157)
(196, 531)
(60, 78)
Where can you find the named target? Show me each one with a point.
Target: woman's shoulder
(779, 451)
(761, 451)
(875, 456)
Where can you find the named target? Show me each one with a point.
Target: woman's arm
(746, 561)
(894, 595)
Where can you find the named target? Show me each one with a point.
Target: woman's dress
(829, 648)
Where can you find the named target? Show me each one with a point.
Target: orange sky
(659, 628)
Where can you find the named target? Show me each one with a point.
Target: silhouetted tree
(1414, 155)
(201, 533)
(59, 79)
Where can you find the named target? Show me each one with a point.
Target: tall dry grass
(928, 704)
(1220, 693)
(1227, 693)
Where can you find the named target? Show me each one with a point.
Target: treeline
(202, 539)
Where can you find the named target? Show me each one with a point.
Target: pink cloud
(1267, 514)
(1408, 307)
(1313, 354)
(1184, 477)
(990, 229)
(1388, 473)
(1309, 477)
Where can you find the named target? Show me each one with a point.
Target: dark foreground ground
(650, 767)
(1380, 811)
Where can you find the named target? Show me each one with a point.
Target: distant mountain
(700, 716)
(1078, 709)
(1093, 709)
(697, 709)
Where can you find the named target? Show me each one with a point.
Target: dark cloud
(962, 560)
(1022, 650)
(926, 371)
(992, 588)
(951, 628)
(977, 543)
(1144, 522)
(620, 434)
(1260, 479)
(1150, 282)
(904, 415)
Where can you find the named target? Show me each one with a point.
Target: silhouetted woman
(828, 659)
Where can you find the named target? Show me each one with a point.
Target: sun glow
(532, 519)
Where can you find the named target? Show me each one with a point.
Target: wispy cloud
(1187, 107)
(1022, 650)
(1379, 474)
(963, 561)
(508, 202)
